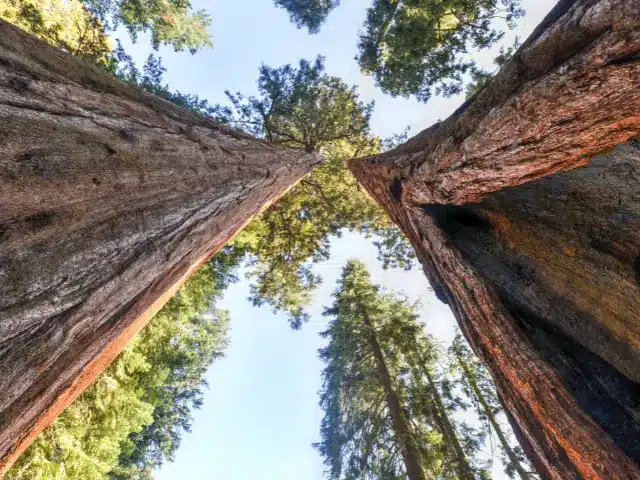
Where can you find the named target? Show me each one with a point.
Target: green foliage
(65, 24)
(131, 420)
(359, 439)
(84, 442)
(413, 47)
(308, 13)
(303, 107)
(170, 22)
(289, 237)
(80, 27)
(417, 47)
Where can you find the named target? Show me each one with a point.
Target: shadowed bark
(534, 240)
(109, 199)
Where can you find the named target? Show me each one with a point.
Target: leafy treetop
(417, 47)
(303, 107)
(65, 24)
(170, 22)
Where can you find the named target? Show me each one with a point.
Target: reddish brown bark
(109, 198)
(535, 244)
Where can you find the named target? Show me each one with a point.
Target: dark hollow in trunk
(534, 240)
(109, 198)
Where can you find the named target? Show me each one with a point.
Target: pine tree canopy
(417, 47)
(65, 24)
(169, 22)
(377, 424)
(391, 395)
(303, 107)
(81, 26)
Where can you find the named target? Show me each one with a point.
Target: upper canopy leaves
(416, 47)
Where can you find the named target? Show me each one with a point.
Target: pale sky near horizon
(260, 415)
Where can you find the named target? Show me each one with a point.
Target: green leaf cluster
(65, 24)
(169, 22)
(360, 438)
(303, 107)
(417, 47)
(80, 26)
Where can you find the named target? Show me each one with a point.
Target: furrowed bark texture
(534, 240)
(109, 199)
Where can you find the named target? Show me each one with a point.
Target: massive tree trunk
(408, 448)
(524, 209)
(109, 199)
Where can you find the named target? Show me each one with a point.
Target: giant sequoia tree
(110, 198)
(533, 239)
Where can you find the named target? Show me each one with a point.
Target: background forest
(396, 401)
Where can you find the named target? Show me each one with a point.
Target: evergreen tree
(65, 24)
(370, 428)
(478, 385)
(169, 22)
(80, 26)
(389, 408)
(303, 107)
(435, 401)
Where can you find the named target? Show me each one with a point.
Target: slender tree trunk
(410, 453)
(109, 198)
(533, 242)
(513, 458)
(451, 437)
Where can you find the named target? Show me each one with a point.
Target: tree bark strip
(410, 453)
(569, 93)
(534, 244)
(109, 198)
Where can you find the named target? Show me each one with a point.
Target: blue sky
(260, 415)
